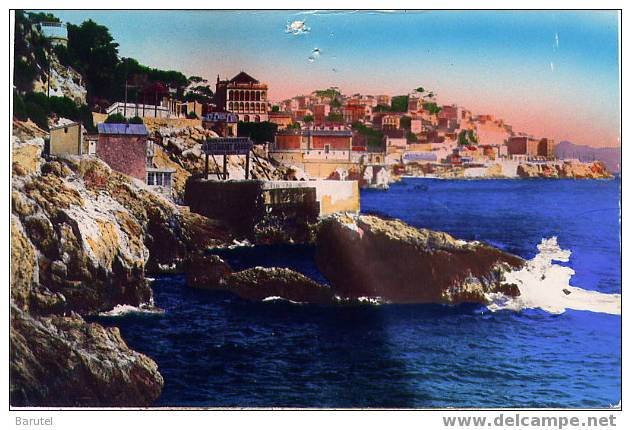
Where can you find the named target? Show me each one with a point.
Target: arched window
(241, 106)
(240, 95)
(258, 96)
(231, 106)
(246, 118)
(247, 95)
(257, 118)
(230, 93)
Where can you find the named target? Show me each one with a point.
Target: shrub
(116, 118)
(136, 120)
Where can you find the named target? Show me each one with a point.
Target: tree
(411, 137)
(432, 108)
(335, 117)
(335, 103)
(406, 122)
(275, 108)
(381, 108)
(136, 120)
(399, 104)
(307, 118)
(467, 137)
(260, 132)
(93, 52)
(116, 118)
(374, 138)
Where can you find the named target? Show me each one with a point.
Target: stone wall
(154, 124)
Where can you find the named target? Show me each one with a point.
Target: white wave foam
(546, 285)
(279, 299)
(120, 310)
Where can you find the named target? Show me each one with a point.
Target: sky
(548, 73)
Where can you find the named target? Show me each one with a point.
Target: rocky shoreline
(84, 238)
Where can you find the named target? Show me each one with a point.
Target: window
(65, 129)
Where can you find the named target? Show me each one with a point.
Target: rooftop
(128, 129)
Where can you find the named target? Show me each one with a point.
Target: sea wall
(271, 210)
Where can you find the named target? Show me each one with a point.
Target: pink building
(124, 148)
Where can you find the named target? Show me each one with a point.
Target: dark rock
(367, 256)
(64, 361)
(205, 271)
(259, 283)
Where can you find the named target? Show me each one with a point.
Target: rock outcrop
(82, 239)
(257, 283)
(564, 169)
(366, 256)
(65, 361)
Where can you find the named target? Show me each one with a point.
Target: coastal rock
(206, 271)
(367, 256)
(259, 283)
(83, 237)
(65, 361)
(569, 169)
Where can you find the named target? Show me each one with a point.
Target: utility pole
(48, 80)
(125, 106)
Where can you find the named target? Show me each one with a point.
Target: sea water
(214, 349)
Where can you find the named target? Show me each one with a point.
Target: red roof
(243, 78)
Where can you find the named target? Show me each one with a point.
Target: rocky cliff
(82, 239)
(366, 256)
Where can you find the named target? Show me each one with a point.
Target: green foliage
(374, 138)
(38, 108)
(335, 103)
(332, 93)
(294, 125)
(335, 117)
(411, 137)
(420, 90)
(191, 115)
(260, 132)
(136, 120)
(31, 106)
(381, 108)
(195, 97)
(38, 17)
(196, 79)
(275, 108)
(406, 122)
(467, 137)
(307, 118)
(472, 136)
(116, 118)
(432, 108)
(399, 104)
(85, 116)
(93, 52)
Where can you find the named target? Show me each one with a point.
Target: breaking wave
(546, 285)
(121, 310)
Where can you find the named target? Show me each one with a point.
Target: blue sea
(216, 350)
